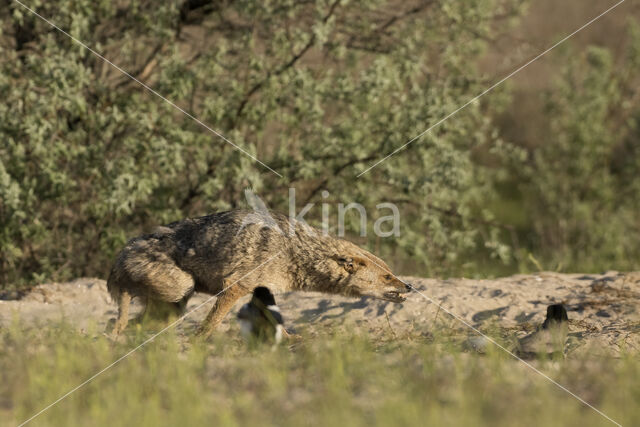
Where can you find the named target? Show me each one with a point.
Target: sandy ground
(604, 309)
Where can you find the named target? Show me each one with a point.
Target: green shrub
(319, 92)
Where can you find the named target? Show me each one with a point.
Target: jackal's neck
(315, 268)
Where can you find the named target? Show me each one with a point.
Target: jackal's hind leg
(123, 312)
(223, 305)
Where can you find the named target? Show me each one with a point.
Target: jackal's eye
(388, 277)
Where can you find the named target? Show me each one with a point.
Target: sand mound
(604, 309)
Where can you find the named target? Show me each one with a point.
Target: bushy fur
(211, 253)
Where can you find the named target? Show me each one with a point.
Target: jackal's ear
(346, 263)
(350, 264)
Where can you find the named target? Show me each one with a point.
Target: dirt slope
(604, 309)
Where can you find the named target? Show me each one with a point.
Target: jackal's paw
(115, 337)
(202, 333)
(290, 336)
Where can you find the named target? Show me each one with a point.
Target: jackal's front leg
(223, 305)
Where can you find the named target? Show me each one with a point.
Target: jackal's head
(367, 275)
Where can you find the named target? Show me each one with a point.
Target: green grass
(338, 378)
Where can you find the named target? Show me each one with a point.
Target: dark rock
(486, 314)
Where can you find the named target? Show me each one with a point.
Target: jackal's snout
(401, 286)
(397, 286)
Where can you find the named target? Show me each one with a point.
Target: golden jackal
(231, 253)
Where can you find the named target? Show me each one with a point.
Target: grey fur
(210, 253)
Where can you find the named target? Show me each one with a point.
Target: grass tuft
(339, 378)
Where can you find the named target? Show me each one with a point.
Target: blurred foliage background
(541, 173)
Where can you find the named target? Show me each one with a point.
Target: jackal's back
(196, 253)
